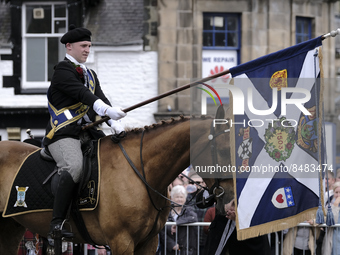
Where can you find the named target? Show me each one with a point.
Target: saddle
(36, 182)
(89, 154)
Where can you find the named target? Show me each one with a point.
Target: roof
(116, 22)
(112, 22)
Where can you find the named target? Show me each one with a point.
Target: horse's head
(210, 156)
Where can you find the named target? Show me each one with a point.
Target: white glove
(103, 109)
(116, 126)
(100, 107)
(115, 113)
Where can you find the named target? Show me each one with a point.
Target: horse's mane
(163, 123)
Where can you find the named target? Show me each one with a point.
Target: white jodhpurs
(68, 156)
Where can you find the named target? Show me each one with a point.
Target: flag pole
(186, 86)
(333, 33)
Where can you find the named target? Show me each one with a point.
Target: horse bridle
(212, 142)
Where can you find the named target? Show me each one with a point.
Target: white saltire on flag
(283, 185)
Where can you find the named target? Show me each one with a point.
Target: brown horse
(125, 218)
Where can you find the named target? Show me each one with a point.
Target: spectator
(34, 244)
(209, 217)
(31, 244)
(215, 245)
(331, 243)
(176, 235)
(177, 181)
(301, 240)
(327, 198)
(329, 185)
(337, 176)
(195, 185)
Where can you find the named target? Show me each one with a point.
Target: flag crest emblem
(279, 139)
(307, 131)
(279, 80)
(283, 198)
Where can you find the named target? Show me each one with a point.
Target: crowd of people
(174, 237)
(33, 244)
(299, 240)
(177, 238)
(318, 241)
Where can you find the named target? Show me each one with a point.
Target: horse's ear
(220, 113)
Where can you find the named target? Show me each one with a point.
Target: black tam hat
(78, 34)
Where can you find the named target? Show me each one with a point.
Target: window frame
(27, 85)
(224, 15)
(308, 33)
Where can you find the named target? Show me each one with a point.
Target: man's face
(79, 50)
(331, 181)
(198, 180)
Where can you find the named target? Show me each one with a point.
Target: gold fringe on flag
(275, 226)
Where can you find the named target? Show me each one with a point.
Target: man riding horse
(74, 99)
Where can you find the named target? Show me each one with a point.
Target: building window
(221, 50)
(221, 31)
(303, 29)
(43, 24)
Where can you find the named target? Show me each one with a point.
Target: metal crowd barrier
(195, 224)
(275, 239)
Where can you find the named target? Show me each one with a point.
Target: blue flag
(277, 140)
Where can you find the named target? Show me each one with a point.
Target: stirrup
(64, 233)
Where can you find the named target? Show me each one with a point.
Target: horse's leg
(149, 247)
(122, 243)
(11, 233)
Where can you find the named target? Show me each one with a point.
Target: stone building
(250, 29)
(146, 48)
(259, 28)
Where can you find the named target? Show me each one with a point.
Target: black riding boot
(62, 202)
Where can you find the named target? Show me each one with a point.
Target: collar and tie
(86, 76)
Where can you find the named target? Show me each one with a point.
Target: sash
(63, 117)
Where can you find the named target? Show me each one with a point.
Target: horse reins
(212, 141)
(212, 190)
(142, 177)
